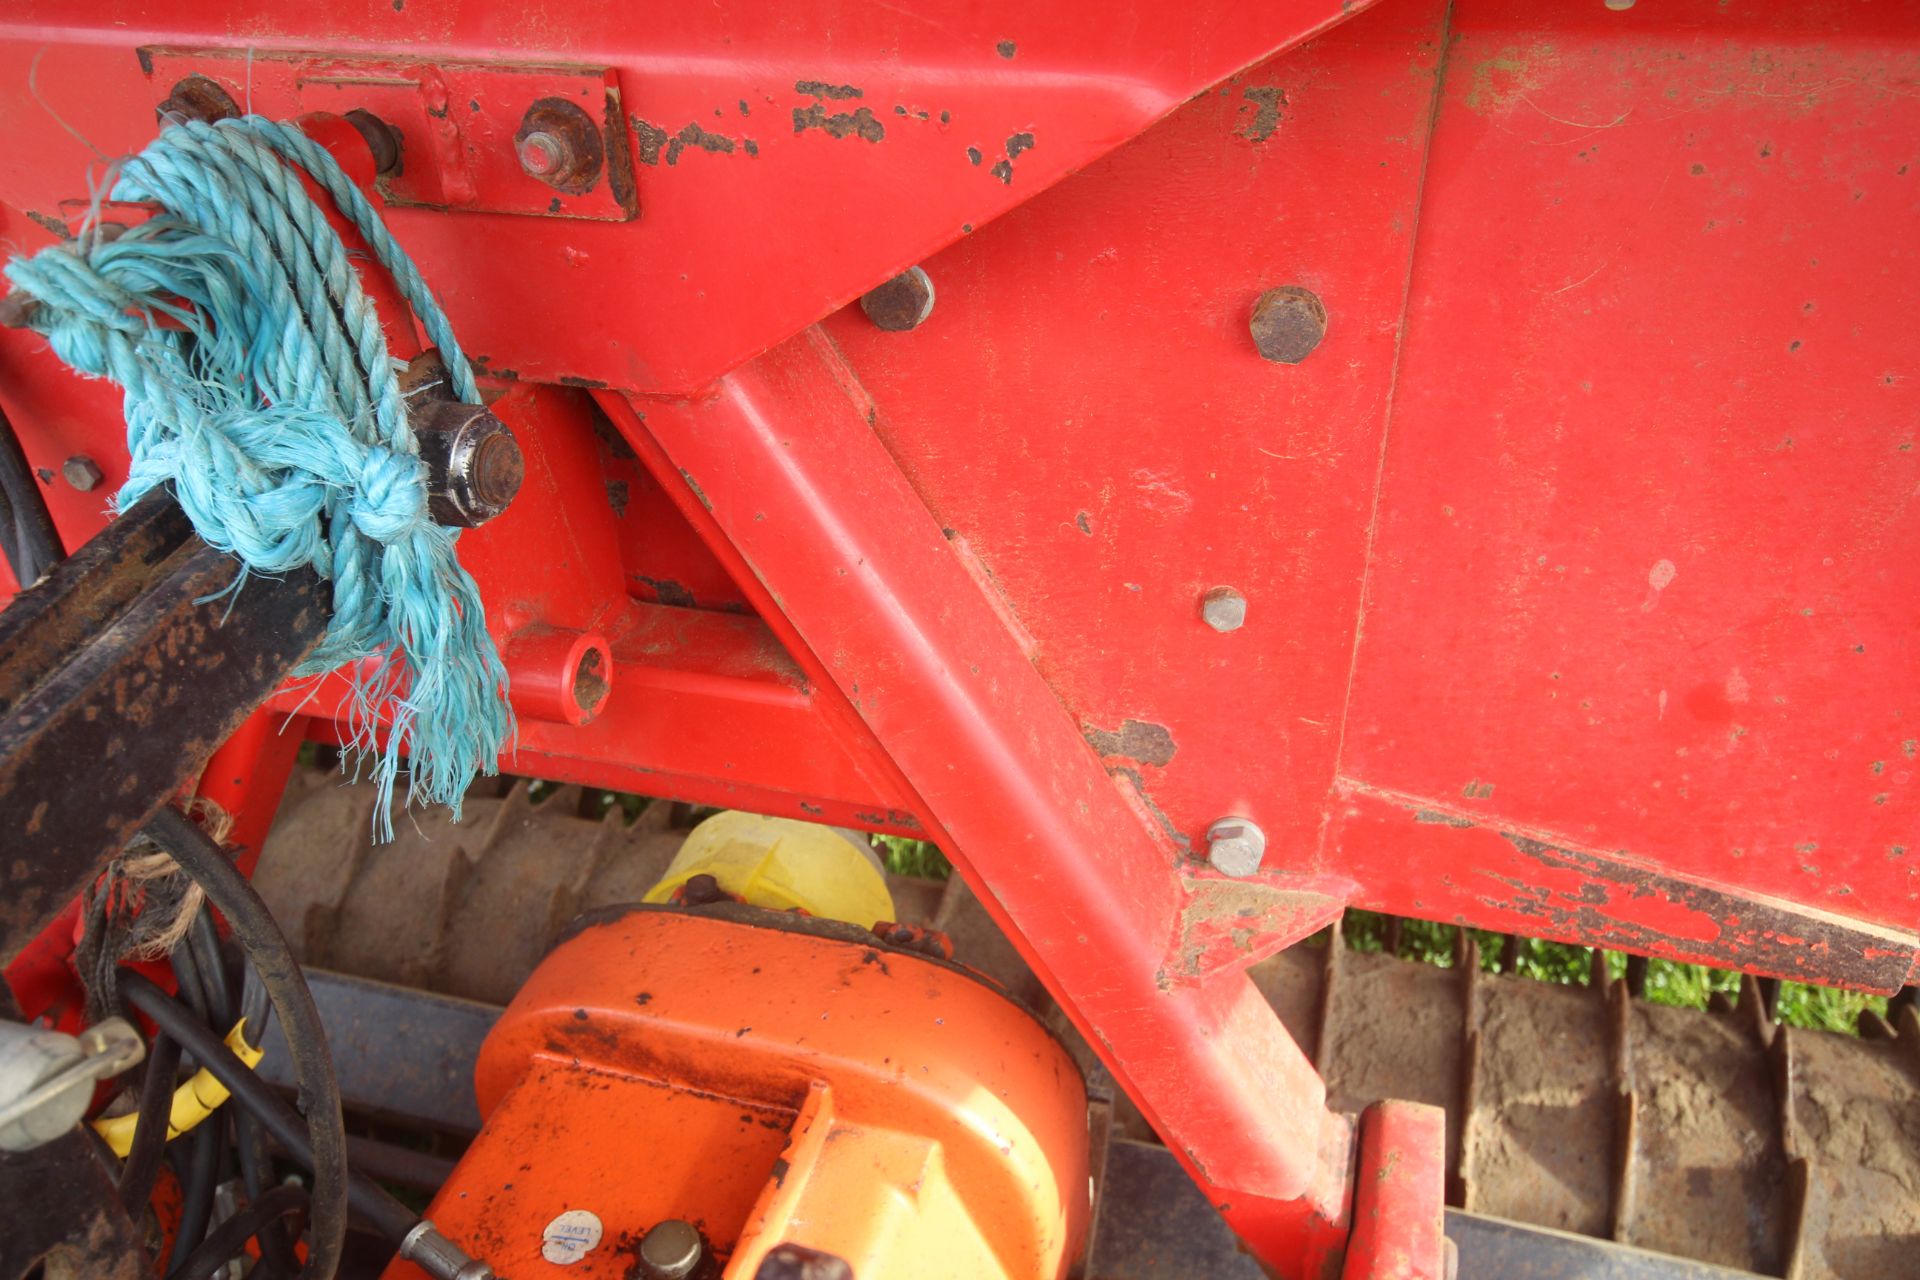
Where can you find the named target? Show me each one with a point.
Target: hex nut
(1288, 323)
(1235, 846)
(559, 144)
(1224, 609)
(900, 304)
(197, 98)
(474, 465)
(82, 472)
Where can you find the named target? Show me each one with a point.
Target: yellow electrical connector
(193, 1101)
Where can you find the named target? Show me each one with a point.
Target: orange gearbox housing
(772, 1079)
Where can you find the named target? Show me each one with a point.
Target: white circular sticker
(570, 1237)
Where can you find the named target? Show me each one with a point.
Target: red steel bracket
(1226, 923)
(455, 123)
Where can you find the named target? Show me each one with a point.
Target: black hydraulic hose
(9, 534)
(197, 1156)
(227, 1240)
(186, 975)
(150, 1135)
(33, 544)
(379, 1210)
(201, 1175)
(250, 1141)
(325, 1137)
(204, 941)
(253, 1008)
(256, 1174)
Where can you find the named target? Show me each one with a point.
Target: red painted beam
(1400, 1195)
(785, 463)
(784, 158)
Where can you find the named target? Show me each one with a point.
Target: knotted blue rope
(259, 387)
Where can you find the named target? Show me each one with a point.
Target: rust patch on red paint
(1739, 933)
(1139, 740)
(1226, 923)
(1264, 102)
(858, 123)
(1436, 817)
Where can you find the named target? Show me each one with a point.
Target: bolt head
(1235, 847)
(1224, 609)
(82, 472)
(498, 468)
(902, 303)
(670, 1250)
(542, 154)
(1288, 323)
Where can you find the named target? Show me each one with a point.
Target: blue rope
(259, 387)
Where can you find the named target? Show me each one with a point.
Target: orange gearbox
(730, 1091)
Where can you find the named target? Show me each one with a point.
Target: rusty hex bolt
(497, 470)
(1235, 847)
(559, 144)
(198, 98)
(1224, 609)
(474, 465)
(902, 303)
(1288, 323)
(82, 472)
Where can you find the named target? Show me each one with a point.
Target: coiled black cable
(226, 1241)
(324, 1138)
(374, 1205)
(250, 1141)
(196, 1156)
(150, 1135)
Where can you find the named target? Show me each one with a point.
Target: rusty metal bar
(136, 652)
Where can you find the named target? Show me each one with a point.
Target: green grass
(1668, 982)
(905, 857)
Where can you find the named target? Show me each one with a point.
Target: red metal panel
(790, 155)
(1643, 579)
(1086, 411)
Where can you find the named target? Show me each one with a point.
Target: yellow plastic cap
(782, 863)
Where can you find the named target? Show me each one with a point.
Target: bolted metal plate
(458, 122)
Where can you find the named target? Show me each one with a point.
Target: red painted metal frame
(787, 471)
(763, 133)
(1576, 555)
(1399, 1227)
